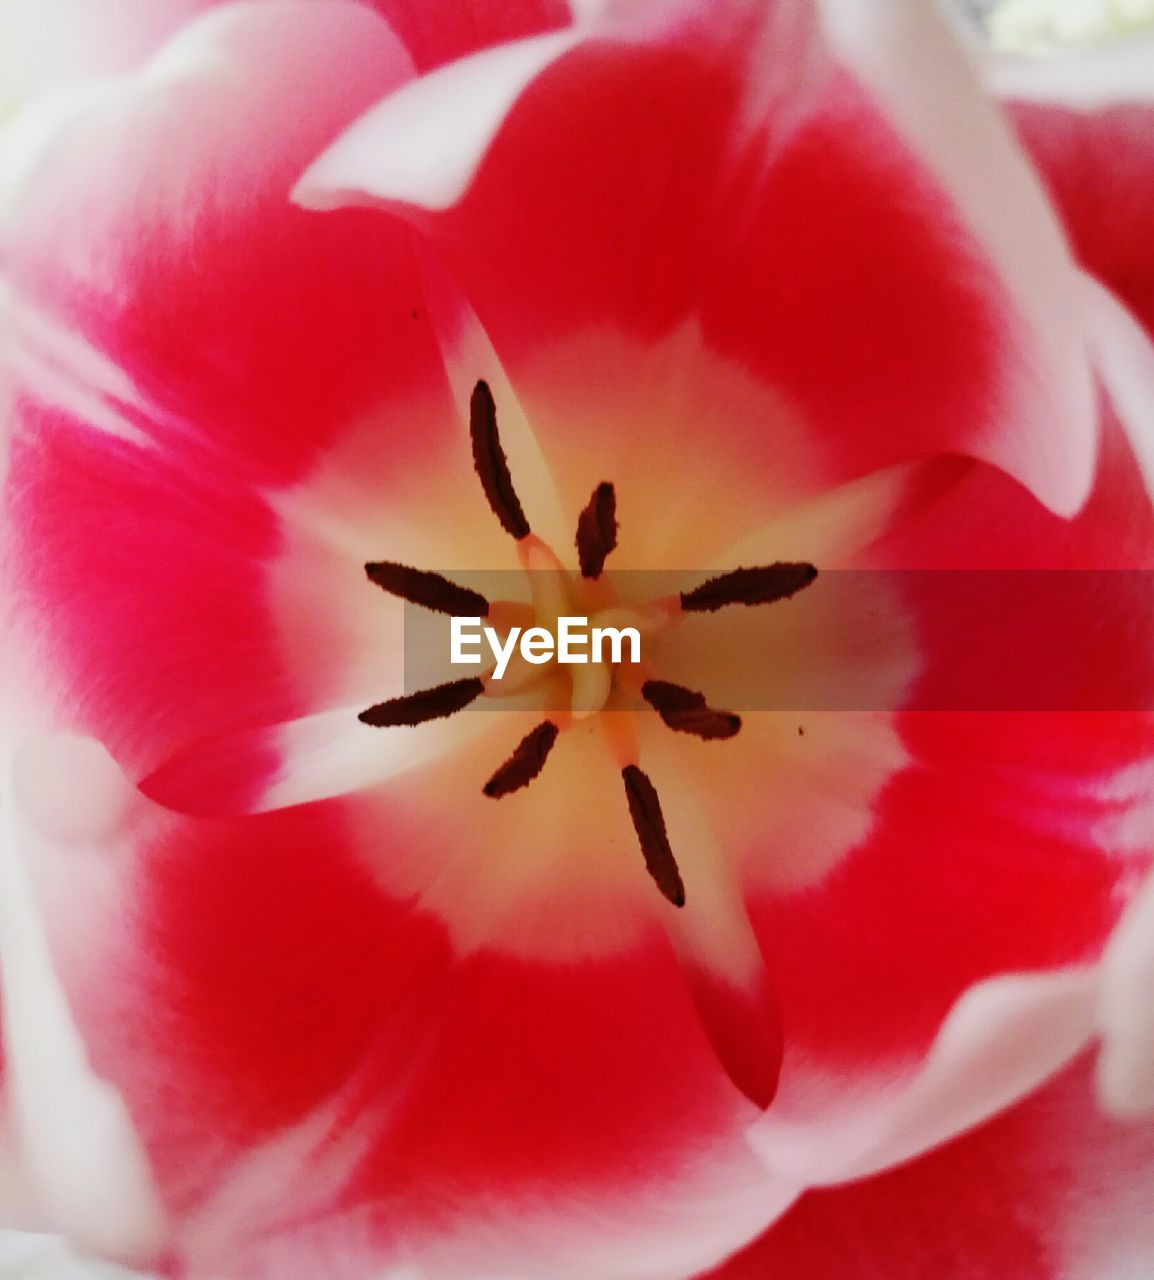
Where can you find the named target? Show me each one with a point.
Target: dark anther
(525, 763)
(429, 704)
(597, 530)
(491, 464)
(749, 586)
(649, 823)
(430, 590)
(684, 710)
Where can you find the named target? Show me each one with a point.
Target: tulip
(327, 312)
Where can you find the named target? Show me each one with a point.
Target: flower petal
(428, 137)
(437, 31)
(685, 162)
(1087, 121)
(1030, 1026)
(1126, 1066)
(906, 54)
(1050, 1191)
(188, 249)
(185, 347)
(1004, 841)
(353, 1093)
(53, 41)
(83, 1156)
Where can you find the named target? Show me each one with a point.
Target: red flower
(722, 286)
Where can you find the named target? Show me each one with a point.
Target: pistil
(683, 710)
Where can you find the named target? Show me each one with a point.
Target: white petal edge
(1124, 360)
(1003, 1038)
(903, 50)
(422, 145)
(47, 43)
(1125, 1077)
(36, 1256)
(83, 1157)
(1125, 1074)
(328, 754)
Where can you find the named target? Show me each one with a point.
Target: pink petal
(80, 1154)
(1093, 150)
(940, 334)
(907, 54)
(207, 257)
(314, 757)
(1126, 1065)
(1003, 1038)
(436, 31)
(1050, 1191)
(354, 1094)
(53, 41)
(203, 336)
(1003, 842)
(422, 138)
(202, 650)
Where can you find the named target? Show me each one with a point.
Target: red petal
(668, 194)
(336, 1064)
(1098, 167)
(183, 331)
(1050, 1191)
(201, 309)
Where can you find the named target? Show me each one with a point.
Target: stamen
(525, 763)
(749, 586)
(428, 704)
(597, 530)
(430, 590)
(686, 711)
(649, 823)
(491, 464)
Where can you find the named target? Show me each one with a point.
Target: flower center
(555, 594)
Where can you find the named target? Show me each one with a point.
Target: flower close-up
(802, 351)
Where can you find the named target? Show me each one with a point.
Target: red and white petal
(1009, 839)
(1050, 1191)
(51, 42)
(982, 841)
(187, 248)
(1126, 1064)
(1087, 121)
(184, 346)
(322, 1082)
(80, 1165)
(442, 30)
(1003, 1039)
(862, 360)
(974, 881)
(46, 44)
(910, 59)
